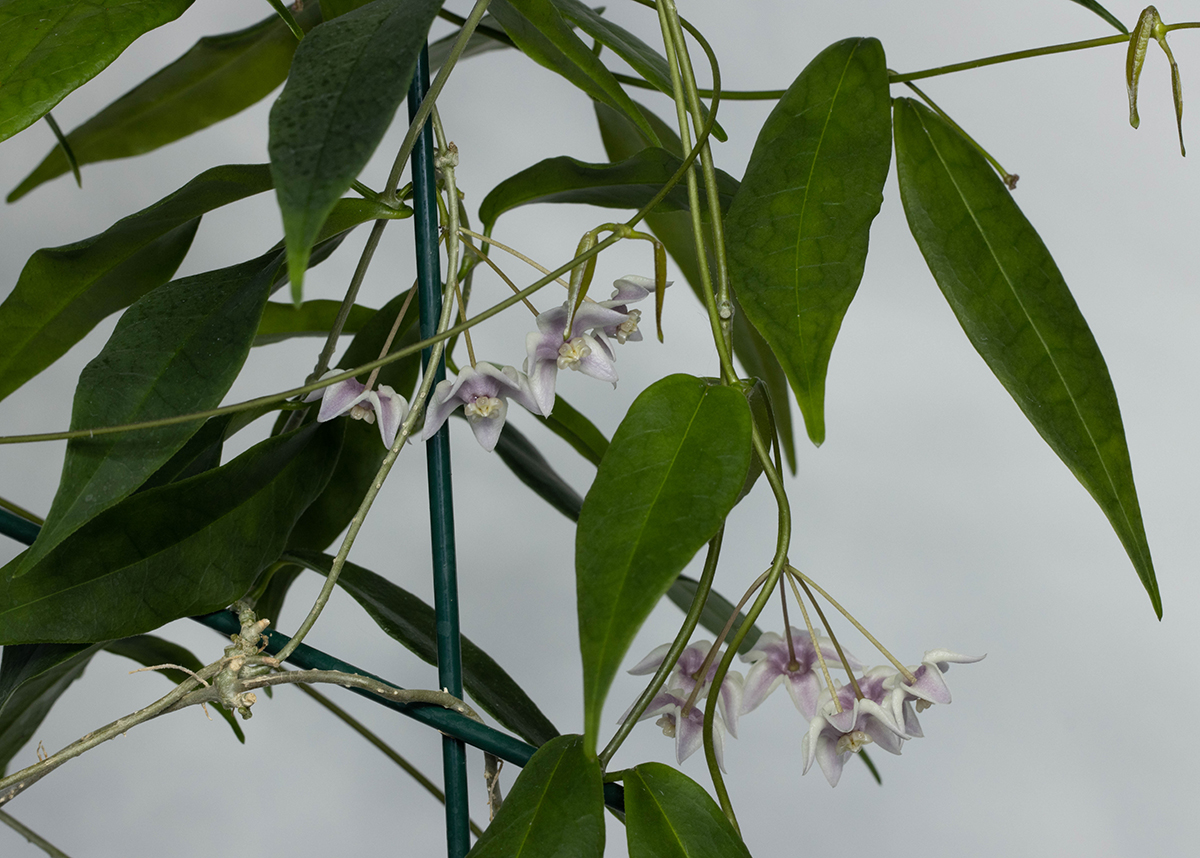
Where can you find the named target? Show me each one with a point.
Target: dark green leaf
(531, 468)
(628, 184)
(177, 350)
(642, 58)
(669, 478)
(479, 43)
(32, 678)
(674, 229)
(311, 319)
(1016, 309)
(542, 34)
(574, 428)
(201, 453)
(669, 815)
(151, 651)
(1103, 13)
(50, 47)
(556, 807)
(219, 76)
(797, 231)
(413, 623)
(187, 548)
(64, 292)
(716, 613)
(347, 79)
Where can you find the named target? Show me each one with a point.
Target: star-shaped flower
(683, 678)
(483, 392)
(772, 663)
(929, 685)
(688, 732)
(833, 736)
(352, 397)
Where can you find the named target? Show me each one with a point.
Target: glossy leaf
(409, 620)
(348, 77)
(150, 651)
(797, 231)
(177, 350)
(669, 815)
(311, 319)
(1018, 313)
(218, 77)
(642, 58)
(32, 678)
(201, 453)
(628, 184)
(151, 558)
(542, 34)
(555, 808)
(574, 428)
(50, 47)
(674, 229)
(64, 292)
(716, 613)
(1103, 13)
(531, 468)
(669, 478)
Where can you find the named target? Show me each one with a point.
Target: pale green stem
(33, 837)
(286, 14)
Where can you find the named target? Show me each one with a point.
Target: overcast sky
(933, 511)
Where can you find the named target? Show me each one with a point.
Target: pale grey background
(933, 510)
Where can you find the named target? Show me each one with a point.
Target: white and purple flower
(483, 391)
(382, 404)
(774, 662)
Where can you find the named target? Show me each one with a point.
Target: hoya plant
(639, 392)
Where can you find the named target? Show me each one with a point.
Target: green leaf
(628, 184)
(481, 42)
(409, 620)
(311, 319)
(669, 815)
(218, 77)
(348, 77)
(542, 34)
(177, 350)
(674, 229)
(187, 548)
(574, 428)
(201, 453)
(798, 229)
(64, 292)
(1103, 13)
(1016, 309)
(669, 478)
(50, 47)
(716, 613)
(151, 651)
(32, 678)
(556, 807)
(531, 468)
(642, 58)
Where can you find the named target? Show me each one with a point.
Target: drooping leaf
(628, 184)
(716, 613)
(177, 350)
(201, 453)
(311, 319)
(347, 79)
(556, 807)
(574, 428)
(674, 229)
(64, 292)
(481, 42)
(1018, 313)
(531, 468)
(1103, 13)
(669, 478)
(543, 35)
(218, 77)
(150, 651)
(409, 620)
(798, 228)
(669, 815)
(50, 47)
(642, 58)
(186, 548)
(32, 678)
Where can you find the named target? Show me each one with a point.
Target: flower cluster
(484, 389)
(877, 707)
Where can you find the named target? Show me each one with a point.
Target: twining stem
(33, 837)
(384, 748)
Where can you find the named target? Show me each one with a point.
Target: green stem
(286, 14)
(1008, 178)
(33, 837)
(1009, 57)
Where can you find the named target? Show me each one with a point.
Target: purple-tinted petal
(929, 685)
(440, 406)
(542, 369)
(689, 733)
(632, 287)
(730, 701)
(650, 663)
(390, 411)
(804, 689)
(828, 758)
(591, 315)
(340, 398)
(598, 364)
(761, 680)
(487, 429)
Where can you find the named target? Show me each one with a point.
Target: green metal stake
(437, 457)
